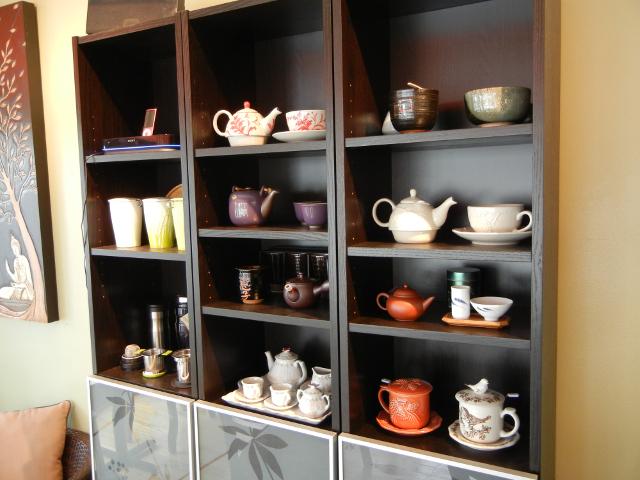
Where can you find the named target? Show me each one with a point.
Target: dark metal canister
(469, 276)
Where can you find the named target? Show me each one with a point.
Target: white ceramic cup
(251, 387)
(483, 422)
(321, 377)
(460, 306)
(281, 394)
(177, 214)
(498, 218)
(126, 219)
(303, 120)
(157, 218)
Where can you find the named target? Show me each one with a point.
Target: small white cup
(251, 387)
(281, 394)
(498, 218)
(460, 307)
(303, 120)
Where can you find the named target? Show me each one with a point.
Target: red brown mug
(408, 402)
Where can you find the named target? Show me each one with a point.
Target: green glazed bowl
(495, 106)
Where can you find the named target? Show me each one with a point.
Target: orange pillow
(32, 442)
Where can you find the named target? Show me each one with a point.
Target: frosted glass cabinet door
(139, 434)
(235, 445)
(363, 460)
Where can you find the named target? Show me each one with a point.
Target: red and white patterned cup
(304, 120)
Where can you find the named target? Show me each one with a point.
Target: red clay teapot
(404, 304)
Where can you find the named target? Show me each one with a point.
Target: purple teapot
(249, 207)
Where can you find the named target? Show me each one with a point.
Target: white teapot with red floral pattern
(246, 126)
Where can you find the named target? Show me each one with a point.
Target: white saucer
(301, 136)
(241, 398)
(480, 238)
(272, 406)
(454, 432)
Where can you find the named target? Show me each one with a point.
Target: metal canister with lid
(470, 276)
(182, 322)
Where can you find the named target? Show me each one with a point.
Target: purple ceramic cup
(314, 214)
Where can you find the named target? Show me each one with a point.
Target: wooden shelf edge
(267, 149)
(431, 330)
(162, 384)
(147, 156)
(439, 250)
(269, 314)
(507, 135)
(144, 252)
(265, 233)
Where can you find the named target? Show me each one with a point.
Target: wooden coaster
(476, 320)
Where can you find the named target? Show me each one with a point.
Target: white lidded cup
(460, 306)
(177, 214)
(157, 218)
(126, 219)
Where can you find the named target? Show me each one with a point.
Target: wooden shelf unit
(453, 46)
(111, 102)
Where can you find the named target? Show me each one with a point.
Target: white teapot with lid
(246, 126)
(312, 402)
(413, 220)
(286, 368)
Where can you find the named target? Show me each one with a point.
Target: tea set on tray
(285, 390)
(479, 424)
(248, 127)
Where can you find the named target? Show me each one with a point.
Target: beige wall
(599, 327)
(599, 320)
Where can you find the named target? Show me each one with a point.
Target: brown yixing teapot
(301, 292)
(404, 304)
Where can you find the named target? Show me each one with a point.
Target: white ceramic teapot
(312, 402)
(413, 220)
(246, 126)
(286, 368)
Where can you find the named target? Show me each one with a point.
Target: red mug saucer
(384, 420)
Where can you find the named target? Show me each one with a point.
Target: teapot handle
(382, 295)
(384, 405)
(529, 225)
(215, 122)
(303, 368)
(516, 422)
(327, 401)
(375, 207)
(299, 394)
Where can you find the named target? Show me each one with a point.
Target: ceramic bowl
(314, 214)
(303, 120)
(495, 106)
(491, 308)
(413, 109)
(297, 208)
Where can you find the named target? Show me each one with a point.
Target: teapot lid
(312, 390)
(479, 394)
(410, 386)
(287, 354)
(413, 199)
(247, 108)
(300, 279)
(404, 292)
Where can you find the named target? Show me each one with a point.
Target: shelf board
(515, 458)
(144, 252)
(270, 149)
(272, 312)
(297, 232)
(463, 137)
(133, 156)
(445, 251)
(431, 327)
(162, 383)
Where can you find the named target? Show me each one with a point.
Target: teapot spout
(269, 359)
(426, 303)
(321, 288)
(269, 121)
(440, 213)
(267, 201)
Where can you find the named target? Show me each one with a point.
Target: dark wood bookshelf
(456, 138)
(439, 250)
(144, 252)
(267, 233)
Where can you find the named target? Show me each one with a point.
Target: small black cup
(250, 284)
(274, 261)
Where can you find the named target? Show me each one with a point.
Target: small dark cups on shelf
(413, 109)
